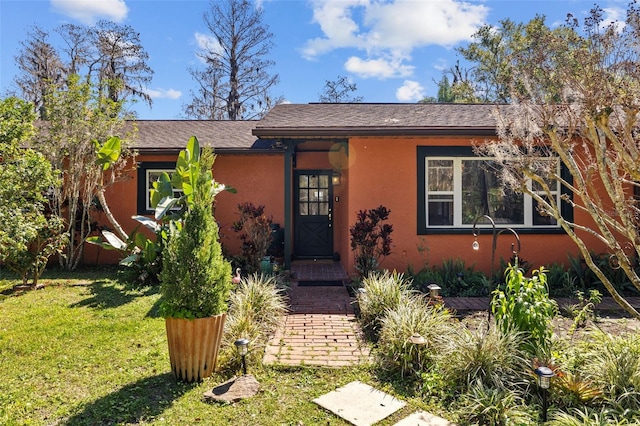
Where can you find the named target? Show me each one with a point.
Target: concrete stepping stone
(422, 418)
(359, 403)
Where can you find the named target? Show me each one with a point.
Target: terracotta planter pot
(194, 345)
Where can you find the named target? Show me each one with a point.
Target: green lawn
(87, 351)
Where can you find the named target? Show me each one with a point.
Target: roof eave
(263, 132)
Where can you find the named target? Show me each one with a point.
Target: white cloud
(390, 29)
(410, 91)
(163, 93)
(377, 68)
(206, 43)
(614, 16)
(90, 11)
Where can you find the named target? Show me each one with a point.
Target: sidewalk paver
(360, 404)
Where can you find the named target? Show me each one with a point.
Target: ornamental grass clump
(613, 363)
(381, 292)
(257, 307)
(483, 405)
(491, 358)
(397, 350)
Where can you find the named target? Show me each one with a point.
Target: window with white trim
(459, 187)
(148, 172)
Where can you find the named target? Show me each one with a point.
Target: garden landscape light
(417, 339)
(544, 381)
(433, 290)
(242, 346)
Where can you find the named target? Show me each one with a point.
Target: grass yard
(88, 351)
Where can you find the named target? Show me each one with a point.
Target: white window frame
(149, 185)
(458, 192)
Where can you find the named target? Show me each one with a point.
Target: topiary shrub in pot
(195, 277)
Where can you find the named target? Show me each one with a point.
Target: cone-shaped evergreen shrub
(196, 279)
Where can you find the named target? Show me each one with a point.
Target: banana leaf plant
(171, 196)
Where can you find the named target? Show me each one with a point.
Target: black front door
(313, 214)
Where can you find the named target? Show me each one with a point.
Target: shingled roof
(326, 119)
(155, 135)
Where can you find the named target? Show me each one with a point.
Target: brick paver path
(321, 327)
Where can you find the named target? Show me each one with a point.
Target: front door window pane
(313, 195)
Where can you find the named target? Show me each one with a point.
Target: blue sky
(393, 50)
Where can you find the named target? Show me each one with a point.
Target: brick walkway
(321, 327)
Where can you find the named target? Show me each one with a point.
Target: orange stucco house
(314, 166)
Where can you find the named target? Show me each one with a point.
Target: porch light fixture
(335, 178)
(242, 346)
(433, 290)
(544, 380)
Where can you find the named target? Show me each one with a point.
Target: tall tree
(491, 76)
(445, 93)
(29, 234)
(575, 101)
(236, 79)
(109, 56)
(121, 61)
(79, 117)
(41, 68)
(340, 90)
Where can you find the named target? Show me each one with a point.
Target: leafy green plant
(371, 239)
(524, 306)
(584, 310)
(560, 281)
(396, 352)
(380, 293)
(573, 390)
(143, 255)
(254, 230)
(195, 277)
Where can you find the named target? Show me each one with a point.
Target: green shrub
(195, 277)
(396, 353)
(560, 281)
(524, 306)
(584, 310)
(454, 278)
(381, 292)
(586, 279)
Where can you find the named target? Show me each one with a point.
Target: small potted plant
(195, 277)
